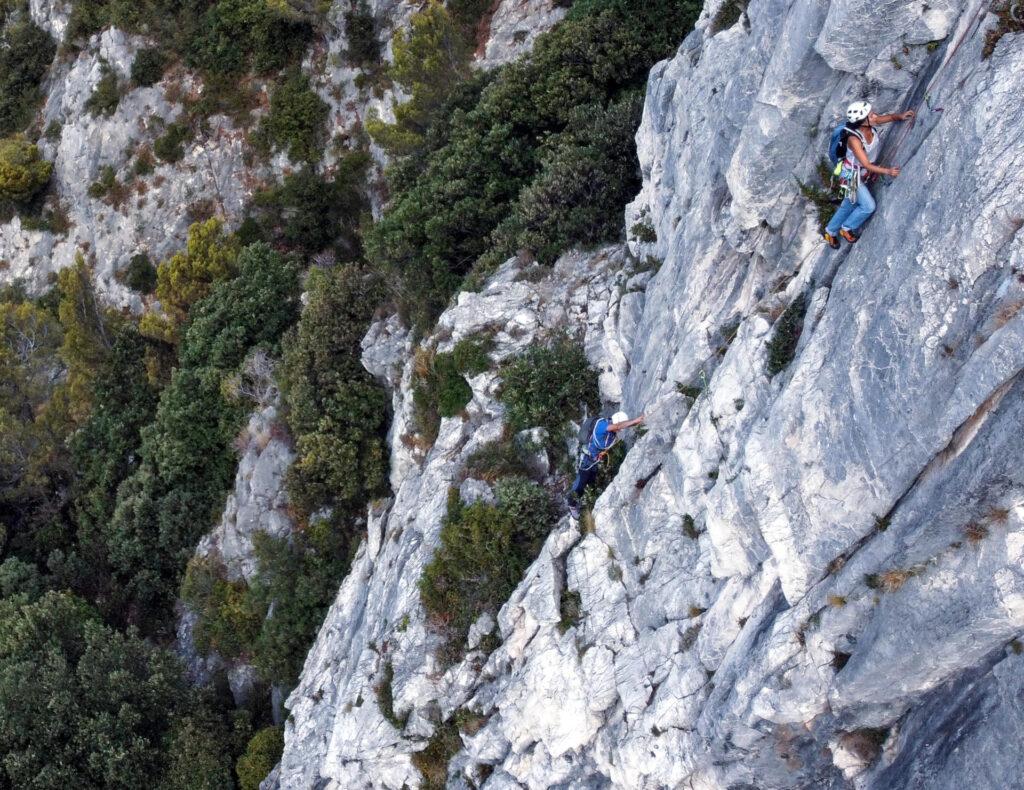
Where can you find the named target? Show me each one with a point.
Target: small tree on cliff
(23, 171)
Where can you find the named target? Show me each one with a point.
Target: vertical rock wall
(821, 583)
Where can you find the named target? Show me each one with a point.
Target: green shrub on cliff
(483, 553)
(23, 171)
(187, 457)
(471, 165)
(297, 122)
(548, 385)
(25, 54)
(336, 411)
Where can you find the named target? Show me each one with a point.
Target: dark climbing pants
(584, 477)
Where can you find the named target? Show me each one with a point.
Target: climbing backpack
(586, 432)
(837, 145)
(586, 435)
(837, 150)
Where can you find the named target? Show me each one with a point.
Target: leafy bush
(234, 34)
(469, 168)
(105, 453)
(300, 577)
(440, 388)
(144, 162)
(471, 355)
(87, 337)
(432, 761)
(209, 257)
(21, 579)
(297, 122)
(228, 621)
(644, 232)
(427, 61)
(25, 54)
(547, 385)
(34, 424)
(588, 173)
(200, 750)
(108, 189)
(386, 697)
(483, 553)
(23, 171)
(308, 213)
(336, 411)
(140, 274)
(361, 31)
(261, 755)
(170, 146)
(148, 66)
(452, 390)
(570, 607)
(495, 460)
(782, 346)
(531, 509)
(106, 95)
(84, 706)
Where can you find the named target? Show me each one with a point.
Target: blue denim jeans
(852, 215)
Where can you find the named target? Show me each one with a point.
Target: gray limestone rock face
(806, 575)
(259, 502)
(149, 213)
(340, 736)
(51, 15)
(512, 26)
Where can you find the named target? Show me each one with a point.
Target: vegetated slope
(123, 434)
(157, 115)
(818, 583)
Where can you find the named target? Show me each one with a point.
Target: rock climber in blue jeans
(862, 147)
(603, 435)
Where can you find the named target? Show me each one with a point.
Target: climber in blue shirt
(603, 433)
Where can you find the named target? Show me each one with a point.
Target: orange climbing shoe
(831, 241)
(849, 235)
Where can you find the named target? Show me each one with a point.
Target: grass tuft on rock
(432, 761)
(782, 346)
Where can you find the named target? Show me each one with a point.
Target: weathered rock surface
(821, 583)
(513, 26)
(259, 501)
(151, 213)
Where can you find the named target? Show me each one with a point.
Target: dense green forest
(117, 431)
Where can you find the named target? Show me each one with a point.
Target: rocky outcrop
(512, 26)
(149, 212)
(259, 501)
(51, 15)
(819, 584)
(146, 212)
(338, 730)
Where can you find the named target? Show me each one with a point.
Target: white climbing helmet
(619, 416)
(858, 111)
